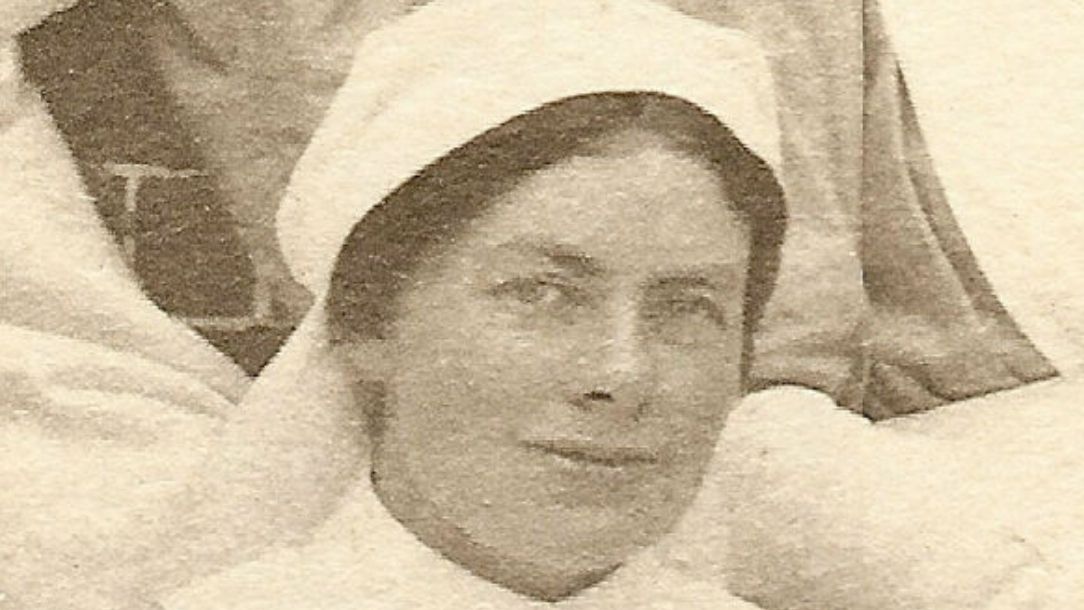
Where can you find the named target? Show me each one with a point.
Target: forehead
(633, 206)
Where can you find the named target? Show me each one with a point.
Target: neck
(424, 520)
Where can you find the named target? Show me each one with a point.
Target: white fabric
(61, 270)
(362, 557)
(106, 404)
(1001, 125)
(9, 69)
(977, 505)
(18, 15)
(95, 446)
(454, 69)
(868, 517)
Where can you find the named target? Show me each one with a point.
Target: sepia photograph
(582, 304)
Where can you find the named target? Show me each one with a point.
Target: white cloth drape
(106, 404)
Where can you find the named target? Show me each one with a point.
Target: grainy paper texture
(762, 305)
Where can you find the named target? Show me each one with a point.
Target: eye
(686, 319)
(539, 290)
(696, 306)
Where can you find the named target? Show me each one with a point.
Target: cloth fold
(881, 303)
(902, 514)
(106, 404)
(62, 272)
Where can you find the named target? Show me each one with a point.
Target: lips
(595, 453)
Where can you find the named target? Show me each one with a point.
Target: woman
(538, 308)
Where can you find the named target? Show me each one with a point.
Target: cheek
(696, 391)
(492, 349)
(467, 382)
(472, 371)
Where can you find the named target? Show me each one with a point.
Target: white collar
(363, 558)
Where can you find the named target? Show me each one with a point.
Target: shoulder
(648, 583)
(278, 580)
(96, 447)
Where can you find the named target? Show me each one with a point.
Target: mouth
(593, 453)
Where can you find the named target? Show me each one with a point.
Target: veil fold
(881, 302)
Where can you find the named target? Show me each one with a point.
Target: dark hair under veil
(409, 225)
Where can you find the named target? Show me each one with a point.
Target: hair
(409, 226)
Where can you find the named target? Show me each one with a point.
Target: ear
(367, 359)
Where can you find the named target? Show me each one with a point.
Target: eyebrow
(581, 263)
(700, 277)
(563, 256)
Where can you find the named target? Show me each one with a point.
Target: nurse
(555, 360)
(538, 306)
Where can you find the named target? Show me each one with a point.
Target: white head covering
(447, 73)
(421, 88)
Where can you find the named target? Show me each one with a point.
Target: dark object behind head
(410, 225)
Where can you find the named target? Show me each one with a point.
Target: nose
(620, 378)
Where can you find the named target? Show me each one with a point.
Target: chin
(550, 560)
(590, 544)
(554, 552)
(553, 579)
(617, 530)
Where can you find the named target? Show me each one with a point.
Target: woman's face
(558, 376)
